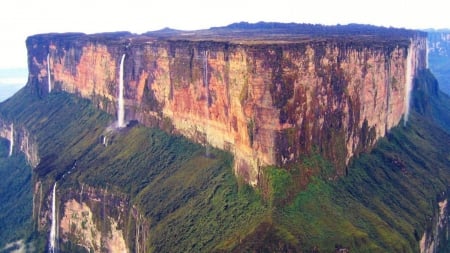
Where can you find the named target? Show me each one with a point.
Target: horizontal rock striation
(267, 99)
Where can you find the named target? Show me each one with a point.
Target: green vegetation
(194, 203)
(279, 181)
(387, 200)
(15, 196)
(386, 197)
(251, 130)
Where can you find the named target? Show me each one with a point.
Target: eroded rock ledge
(267, 96)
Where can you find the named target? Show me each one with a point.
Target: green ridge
(194, 203)
(15, 196)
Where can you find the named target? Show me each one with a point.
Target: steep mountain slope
(141, 189)
(15, 195)
(173, 197)
(167, 183)
(268, 93)
(391, 200)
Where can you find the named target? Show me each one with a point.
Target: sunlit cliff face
(267, 102)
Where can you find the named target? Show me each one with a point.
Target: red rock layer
(267, 103)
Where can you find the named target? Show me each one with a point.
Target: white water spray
(121, 111)
(408, 79)
(53, 236)
(205, 82)
(48, 74)
(81, 193)
(11, 141)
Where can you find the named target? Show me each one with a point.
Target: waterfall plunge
(105, 141)
(206, 84)
(48, 74)
(11, 141)
(53, 231)
(409, 79)
(120, 111)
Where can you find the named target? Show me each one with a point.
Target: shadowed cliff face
(21, 140)
(268, 102)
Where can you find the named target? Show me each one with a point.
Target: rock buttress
(268, 103)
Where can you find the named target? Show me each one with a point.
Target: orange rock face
(77, 222)
(267, 103)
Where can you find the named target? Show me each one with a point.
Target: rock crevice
(269, 102)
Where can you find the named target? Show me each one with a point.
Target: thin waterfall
(11, 141)
(53, 232)
(40, 199)
(105, 141)
(137, 234)
(48, 74)
(121, 111)
(205, 82)
(408, 79)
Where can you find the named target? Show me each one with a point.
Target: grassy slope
(384, 204)
(15, 196)
(194, 202)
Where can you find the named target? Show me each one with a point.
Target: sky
(22, 18)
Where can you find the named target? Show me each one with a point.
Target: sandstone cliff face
(92, 218)
(437, 233)
(267, 102)
(20, 140)
(79, 225)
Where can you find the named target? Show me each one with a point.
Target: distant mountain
(315, 29)
(284, 31)
(439, 56)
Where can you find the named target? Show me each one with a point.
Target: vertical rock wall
(22, 141)
(437, 234)
(92, 218)
(268, 103)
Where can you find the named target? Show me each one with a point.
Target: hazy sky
(21, 18)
